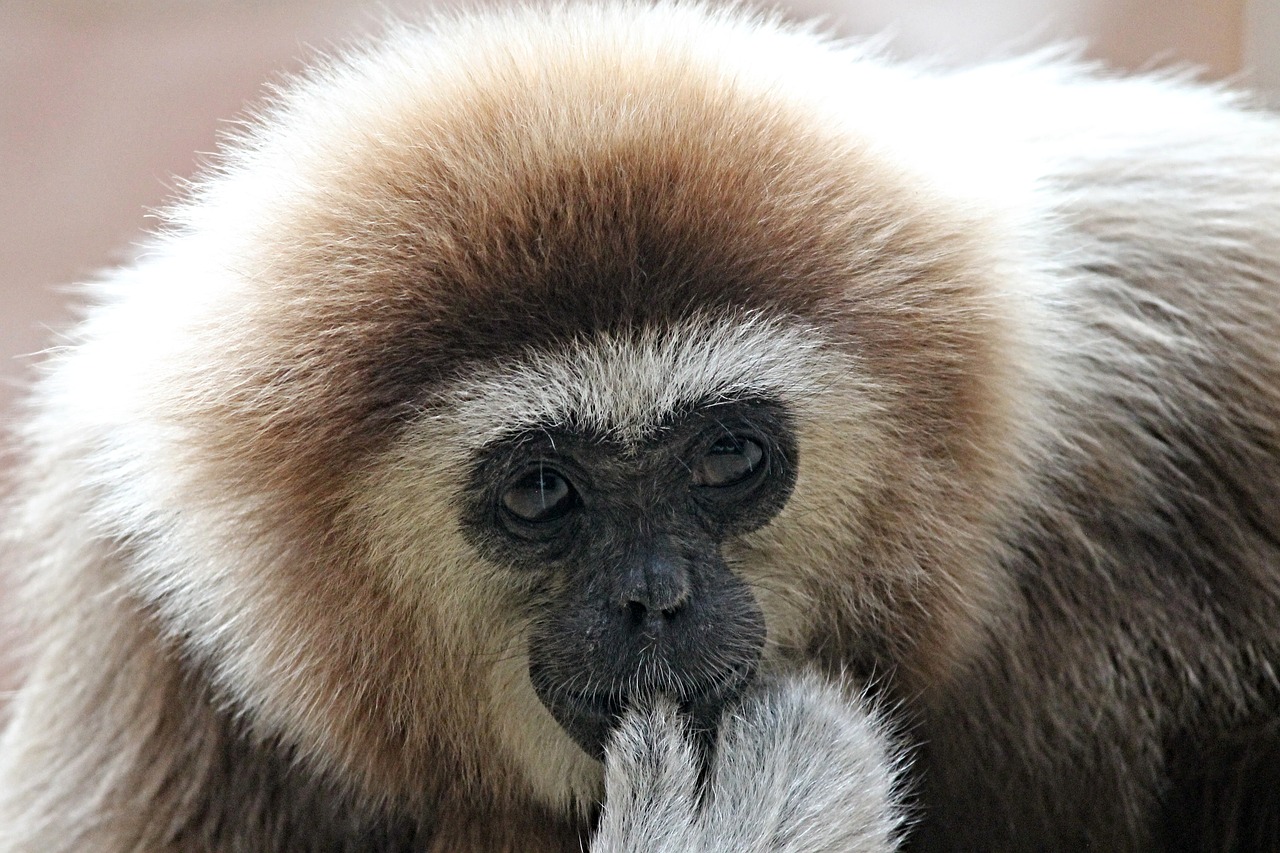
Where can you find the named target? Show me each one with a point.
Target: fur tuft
(800, 767)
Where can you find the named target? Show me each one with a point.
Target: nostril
(637, 611)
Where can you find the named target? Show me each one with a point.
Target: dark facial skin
(620, 546)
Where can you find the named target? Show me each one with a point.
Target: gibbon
(653, 427)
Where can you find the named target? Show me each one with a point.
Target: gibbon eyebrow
(625, 387)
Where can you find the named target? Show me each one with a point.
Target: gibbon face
(624, 539)
(514, 384)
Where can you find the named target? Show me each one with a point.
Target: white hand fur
(799, 766)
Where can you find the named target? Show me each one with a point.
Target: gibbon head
(517, 369)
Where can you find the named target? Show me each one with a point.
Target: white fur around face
(624, 386)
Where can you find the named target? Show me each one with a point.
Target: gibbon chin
(658, 428)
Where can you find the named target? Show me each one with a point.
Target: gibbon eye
(731, 460)
(540, 495)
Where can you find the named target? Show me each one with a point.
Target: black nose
(653, 587)
(643, 617)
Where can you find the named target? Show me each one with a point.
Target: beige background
(103, 103)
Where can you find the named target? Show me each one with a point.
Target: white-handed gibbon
(652, 427)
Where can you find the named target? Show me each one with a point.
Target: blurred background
(103, 103)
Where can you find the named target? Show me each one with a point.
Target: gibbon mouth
(590, 718)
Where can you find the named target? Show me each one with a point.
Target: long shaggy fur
(1024, 319)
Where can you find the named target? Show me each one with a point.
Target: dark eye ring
(540, 495)
(733, 459)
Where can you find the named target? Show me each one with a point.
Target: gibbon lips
(590, 718)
